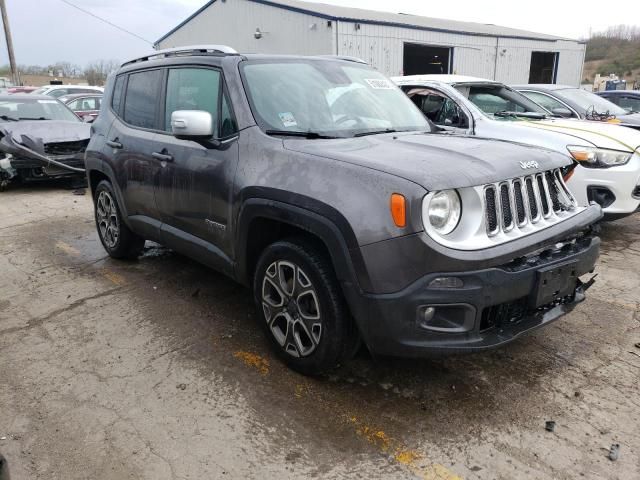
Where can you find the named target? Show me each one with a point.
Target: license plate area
(554, 283)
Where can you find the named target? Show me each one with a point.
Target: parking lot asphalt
(156, 369)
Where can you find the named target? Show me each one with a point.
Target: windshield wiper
(9, 119)
(39, 118)
(375, 132)
(507, 113)
(293, 133)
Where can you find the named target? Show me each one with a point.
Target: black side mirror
(562, 112)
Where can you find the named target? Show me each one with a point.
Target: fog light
(427, 314)
(446, 282)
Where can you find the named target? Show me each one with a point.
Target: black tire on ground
(338, 336)
(128, 245)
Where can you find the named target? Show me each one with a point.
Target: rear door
(195, 185)
(132, 141)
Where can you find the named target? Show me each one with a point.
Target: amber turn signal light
(399, 210)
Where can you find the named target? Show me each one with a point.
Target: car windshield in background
(500, 102)
(40, 91)
(317, 98)
(15, 110)
(589, 102)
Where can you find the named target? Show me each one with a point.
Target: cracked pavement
(156, 369)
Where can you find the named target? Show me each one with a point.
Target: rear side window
(192, 89)
(141, 100)
(116, 99)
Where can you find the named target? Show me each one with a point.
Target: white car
(60, 90)
(607, 156)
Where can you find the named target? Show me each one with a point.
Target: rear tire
(116, 237)
(301, 307)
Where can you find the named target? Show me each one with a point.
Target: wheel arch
(96, 172)
(261, 221)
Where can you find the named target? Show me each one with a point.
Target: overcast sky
(46, 31)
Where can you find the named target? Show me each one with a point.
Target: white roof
(334, 12)
(450, 79)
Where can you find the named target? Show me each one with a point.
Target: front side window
(498, 101)
(438, 108)
(589, 102)
(546, 101)
(632, 103)
(327, 97)
(141, 100)
(192, 89)
(84, 104)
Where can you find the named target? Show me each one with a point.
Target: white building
(395, 44)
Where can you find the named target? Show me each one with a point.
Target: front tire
(301, 307)
(117, 239)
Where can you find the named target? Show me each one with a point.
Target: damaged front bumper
(30, 158)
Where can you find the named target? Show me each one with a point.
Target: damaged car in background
(40, 138)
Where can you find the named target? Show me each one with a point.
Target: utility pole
(7, 34)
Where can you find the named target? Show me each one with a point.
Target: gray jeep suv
(316, 182)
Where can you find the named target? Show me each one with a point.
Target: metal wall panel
(234, 23)
(506, 60)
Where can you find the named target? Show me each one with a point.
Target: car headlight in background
(592, 157)
(442, 210)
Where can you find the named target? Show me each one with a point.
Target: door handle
(162, 156)
(115, 143)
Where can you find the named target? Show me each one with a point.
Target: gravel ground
(156, 369)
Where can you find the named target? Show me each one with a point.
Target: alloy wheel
(291, 308)
(108, 222)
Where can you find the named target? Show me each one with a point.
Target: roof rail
(346, 58)
(186, 51)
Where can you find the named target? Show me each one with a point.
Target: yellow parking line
(114, 277)
(253, 360)
(68, 249)
(411, 459)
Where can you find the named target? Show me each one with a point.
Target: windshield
(40, 91)
(496, 100)
(588, 101)
(35, 110)
(329, 98)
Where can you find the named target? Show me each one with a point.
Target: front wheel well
(265, 231)
(95, 177)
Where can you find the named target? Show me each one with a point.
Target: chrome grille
(526, 200)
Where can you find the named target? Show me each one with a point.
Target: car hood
(435, 161)
(50, 131)
(600, 134)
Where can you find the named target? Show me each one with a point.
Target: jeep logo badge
(526, 165)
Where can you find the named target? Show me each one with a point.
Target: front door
(196, 178)
(132, 138)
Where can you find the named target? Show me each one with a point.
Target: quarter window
(141, 100)
(228, 124)
(192, 89)
(117, 93)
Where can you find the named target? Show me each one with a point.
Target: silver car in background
(606, 156)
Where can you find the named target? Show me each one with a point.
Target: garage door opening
(425, 59)
(544, 67)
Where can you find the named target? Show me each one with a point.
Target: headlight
(591, 157)
(443, 211)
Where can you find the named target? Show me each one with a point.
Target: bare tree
(97, 72)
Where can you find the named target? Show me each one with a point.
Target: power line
(106, 21)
